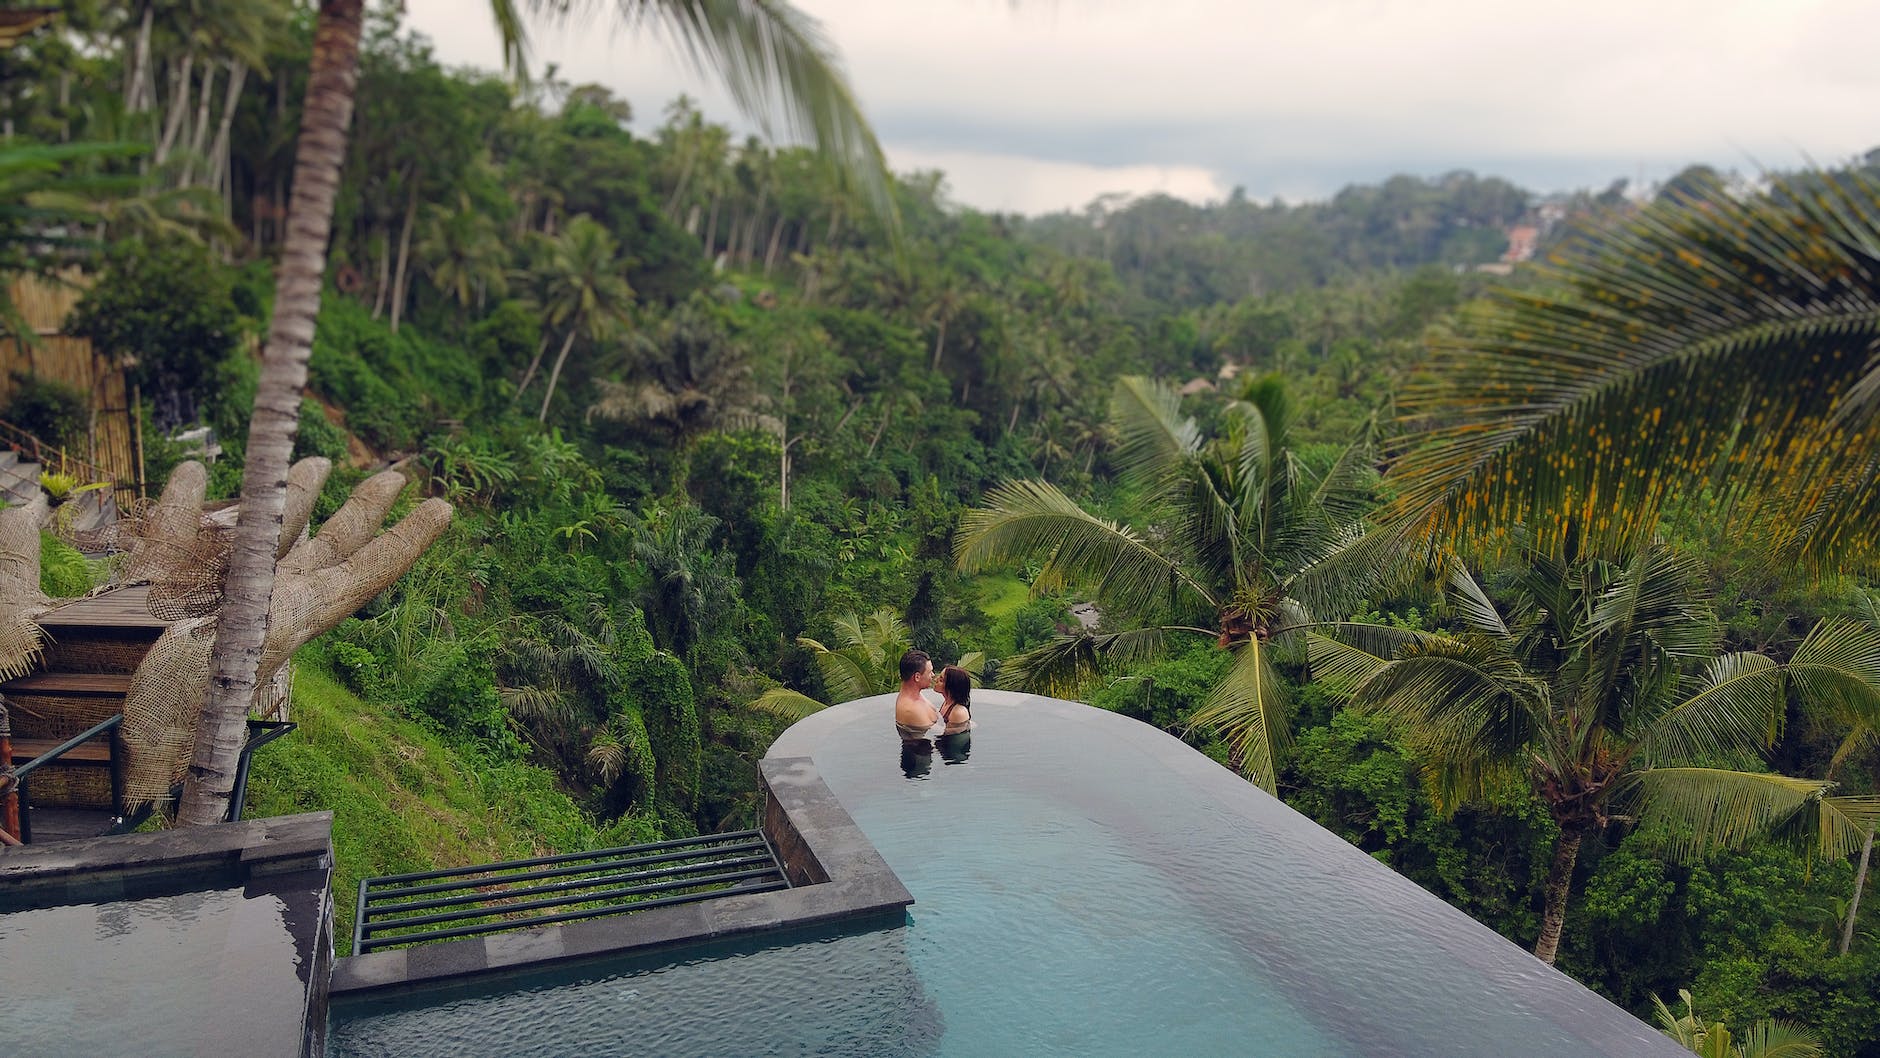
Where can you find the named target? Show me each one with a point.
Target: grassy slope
(1001, 594)
(402, 798)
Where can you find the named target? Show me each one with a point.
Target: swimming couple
(915, 717)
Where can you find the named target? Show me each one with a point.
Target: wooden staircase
(93, 646)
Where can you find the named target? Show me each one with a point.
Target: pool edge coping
(836, 874)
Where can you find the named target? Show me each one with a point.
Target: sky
(1032, 106)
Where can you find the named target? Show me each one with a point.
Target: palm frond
(1065, 666)
(779, 69)
(537, 704)
(1341, 493)
(606, 756)
(1706, 341)
(1154, 439)
(1352, 564)
(974, 662)
(1837, 668)
(844, 675)
(1472, 604)
(786, 703)
(1737, 707)
(1775, 1038)
(1692, 811)
(1342, 666)
(1032, 519)
(1457, 701)
(1248, 710)
(1660, 594)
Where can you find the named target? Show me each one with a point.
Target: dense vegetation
(697, 405)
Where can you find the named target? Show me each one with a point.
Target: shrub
(48, 409)
(63, 572)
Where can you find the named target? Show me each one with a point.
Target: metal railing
(53, 459)
(493, 897)
(25, 771)
(260, 733)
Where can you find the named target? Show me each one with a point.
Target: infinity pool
(1084, 885)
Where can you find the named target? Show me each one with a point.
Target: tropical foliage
(1601, 688)
(1240, 537)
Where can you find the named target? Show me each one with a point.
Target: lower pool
(1084, 885)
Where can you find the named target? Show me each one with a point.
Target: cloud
(1016, 184)
(1290, 98)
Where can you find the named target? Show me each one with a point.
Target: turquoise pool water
(1084, 885)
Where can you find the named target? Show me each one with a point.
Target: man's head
(917, 669)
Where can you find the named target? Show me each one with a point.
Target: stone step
(92, 511)
(19, 483)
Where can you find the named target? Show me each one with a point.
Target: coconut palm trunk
(1559, 885)
(1860, 883)
(221, 727)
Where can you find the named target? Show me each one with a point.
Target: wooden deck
(118, 608)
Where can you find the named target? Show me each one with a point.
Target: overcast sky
(1046, 104)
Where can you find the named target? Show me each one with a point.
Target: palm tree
(1602, 690)
(462, 252)
(1768, 1038)
(583, 294)
(1711, 340)
(1239, 542)
(693, 377)
(773, 59)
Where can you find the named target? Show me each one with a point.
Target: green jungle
(1544, 585)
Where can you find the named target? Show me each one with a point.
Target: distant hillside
(1179, 254)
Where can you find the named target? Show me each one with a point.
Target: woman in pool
(956, 692)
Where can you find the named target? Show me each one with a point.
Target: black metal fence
(403, 909)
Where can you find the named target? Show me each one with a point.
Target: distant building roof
(1196, 385)
(1522, 239)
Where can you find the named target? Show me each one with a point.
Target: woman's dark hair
(958, 685)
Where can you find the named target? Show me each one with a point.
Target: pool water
(83, 979)
(1084, 885)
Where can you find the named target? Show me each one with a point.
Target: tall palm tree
(462, 252)
(1236, 553)
(583, 293)
(1710, 340)
(1601, 688)
(693, 377)
(776, 63)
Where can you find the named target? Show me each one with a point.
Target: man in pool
(914, 715)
